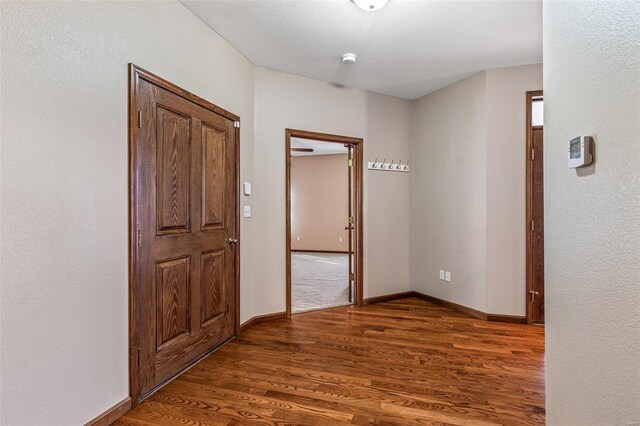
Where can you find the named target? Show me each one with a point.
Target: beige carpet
(319, 280)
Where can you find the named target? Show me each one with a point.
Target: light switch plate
(247, 211)
(298, 238)
(441, 274)
(339, 239)
(247, 188)
(447, 276)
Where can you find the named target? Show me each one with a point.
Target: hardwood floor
(396, 363)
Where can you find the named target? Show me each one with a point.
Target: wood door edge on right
(529, 204)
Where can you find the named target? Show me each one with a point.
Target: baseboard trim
(512, 319)
(262, 318)
(112, 414)
(451, 305)
(388, 297)
(320, 251)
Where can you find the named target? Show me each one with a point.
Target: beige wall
(288, 101)
(320, 202)
(449, 200)
(469, 190)
(64, 186)
(506, 186)
(64, 268)
(592, 216)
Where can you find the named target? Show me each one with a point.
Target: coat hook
(391, 165)
(406, 167)
(375, 162)
(399, 164)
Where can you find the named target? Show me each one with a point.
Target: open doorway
(324, 220)
(535, 208)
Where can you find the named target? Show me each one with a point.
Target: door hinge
(350, 162)
(236, 124)
(533, 154)
(139, 119)
(352, 276)
(351, 219)
(533, 225)
(139, 237)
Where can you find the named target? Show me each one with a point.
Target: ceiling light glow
(370, 5)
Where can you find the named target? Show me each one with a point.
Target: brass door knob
(233, 241)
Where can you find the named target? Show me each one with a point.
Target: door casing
(358, 242)
(136, 73)
(529, 203)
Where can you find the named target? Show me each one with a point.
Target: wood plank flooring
(397, 363)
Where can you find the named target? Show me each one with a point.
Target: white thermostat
(579, 152)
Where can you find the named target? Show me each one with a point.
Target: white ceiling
(407, 49)
(319, 147)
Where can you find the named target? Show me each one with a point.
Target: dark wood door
(536, 292)
(185, 173)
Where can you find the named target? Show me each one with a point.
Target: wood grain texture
(405, 362)
(259, 319)
(388, 297)
(451, 305)
(537, 234)
(183, 225)
(173, 140)
(534, 212)
(514, 319)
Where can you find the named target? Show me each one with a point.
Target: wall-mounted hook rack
(392, 166)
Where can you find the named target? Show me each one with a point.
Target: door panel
(186, 180)
(172, 303)
(213, 171)
(173, 170)
(536, 299)
(212, 279)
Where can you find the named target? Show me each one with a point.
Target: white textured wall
(450, 192)
(64, 189)
(469, 190)
(592, 216)
(287, 101)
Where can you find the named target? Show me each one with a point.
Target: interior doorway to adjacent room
(535, 208)
(324, 221)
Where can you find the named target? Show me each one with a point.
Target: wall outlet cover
(447, 276)
(441, 274)
(247, 211)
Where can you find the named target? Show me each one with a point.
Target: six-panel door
(186, 183)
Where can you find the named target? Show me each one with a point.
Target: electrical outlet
(247, 211)
(447, 276)
(441, 274)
